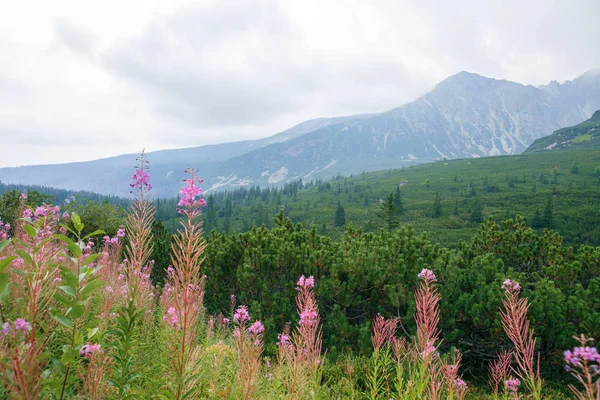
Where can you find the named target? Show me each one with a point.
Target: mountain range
(464, 116)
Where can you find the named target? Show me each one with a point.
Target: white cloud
(82, 80)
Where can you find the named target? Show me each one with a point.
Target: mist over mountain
(464, 116)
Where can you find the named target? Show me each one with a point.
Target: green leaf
(69, 354)
(91, 332)
(62, 299)
(61, 319)
(3, 244)
(68, 277)
(70, 290)
(79, 227)
(71, 245)
(96, 232)
(5, 261)
(75, 218)
(3, 282)
(77, 311)
(30, 230)
(91, 258)
(4, 294)
(25, 256)
(90, 287)
(79, 337)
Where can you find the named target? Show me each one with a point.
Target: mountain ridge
(464, 116)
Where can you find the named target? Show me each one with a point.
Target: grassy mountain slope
(503, 186)
(585, 135)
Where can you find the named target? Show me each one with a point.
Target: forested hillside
(446, 199)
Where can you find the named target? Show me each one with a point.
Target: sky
(82, 80)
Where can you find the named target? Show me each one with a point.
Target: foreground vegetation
(377, 315)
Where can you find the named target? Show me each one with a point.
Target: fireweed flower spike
(427, 276)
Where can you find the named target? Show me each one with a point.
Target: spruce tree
(398, 201)
(340, 215)
(389, 213)
(548, 217)
(437, 206)
(477, 212)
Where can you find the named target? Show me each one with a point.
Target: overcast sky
(81, 80)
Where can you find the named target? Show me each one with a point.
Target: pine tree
(398, 201)
(389, 213)
(437, 206)
(476, 212)
(340, 215)
(548, 216)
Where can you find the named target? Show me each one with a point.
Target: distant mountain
(464, 116)
(585, 135)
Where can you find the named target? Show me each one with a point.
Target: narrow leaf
(96, 232)
(30, 230)
(5, 261)
(90, 287)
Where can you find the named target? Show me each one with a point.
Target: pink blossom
(189, 196)
(27, 213)
(306, 282)
(226, 321)
(427, 275)
(22, 326)
(89, 350)
(121, 232)
(171, 317)
(460, 384)
(241, 315)
(5, 330)
(428, 350)
(511, 286)
(256, 328)
(512, 385)
(308, 318)
(141, 180)
(24, 196)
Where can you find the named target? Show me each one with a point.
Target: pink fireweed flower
(5, 330)
(22, 326)
(283, 340)
(256, 328)
(306, 282)
(24, 196)
(589, 354)
(460, 384)
(428, 350)
(89, 350)
(427, 275)
(121, 232)
(40, 212)
(226, 321)
(511, 286)
(171, 317)
(141, 180)
(27, 213)
(308, 318)
(189, 196)
(66, 215)
(241, 315)
(512, 385)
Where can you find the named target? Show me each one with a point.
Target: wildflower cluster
(511, 286)
(19, 326)
(90, 349)
(512, 385)
(4, 230)
(427, 276)
(189, 196)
